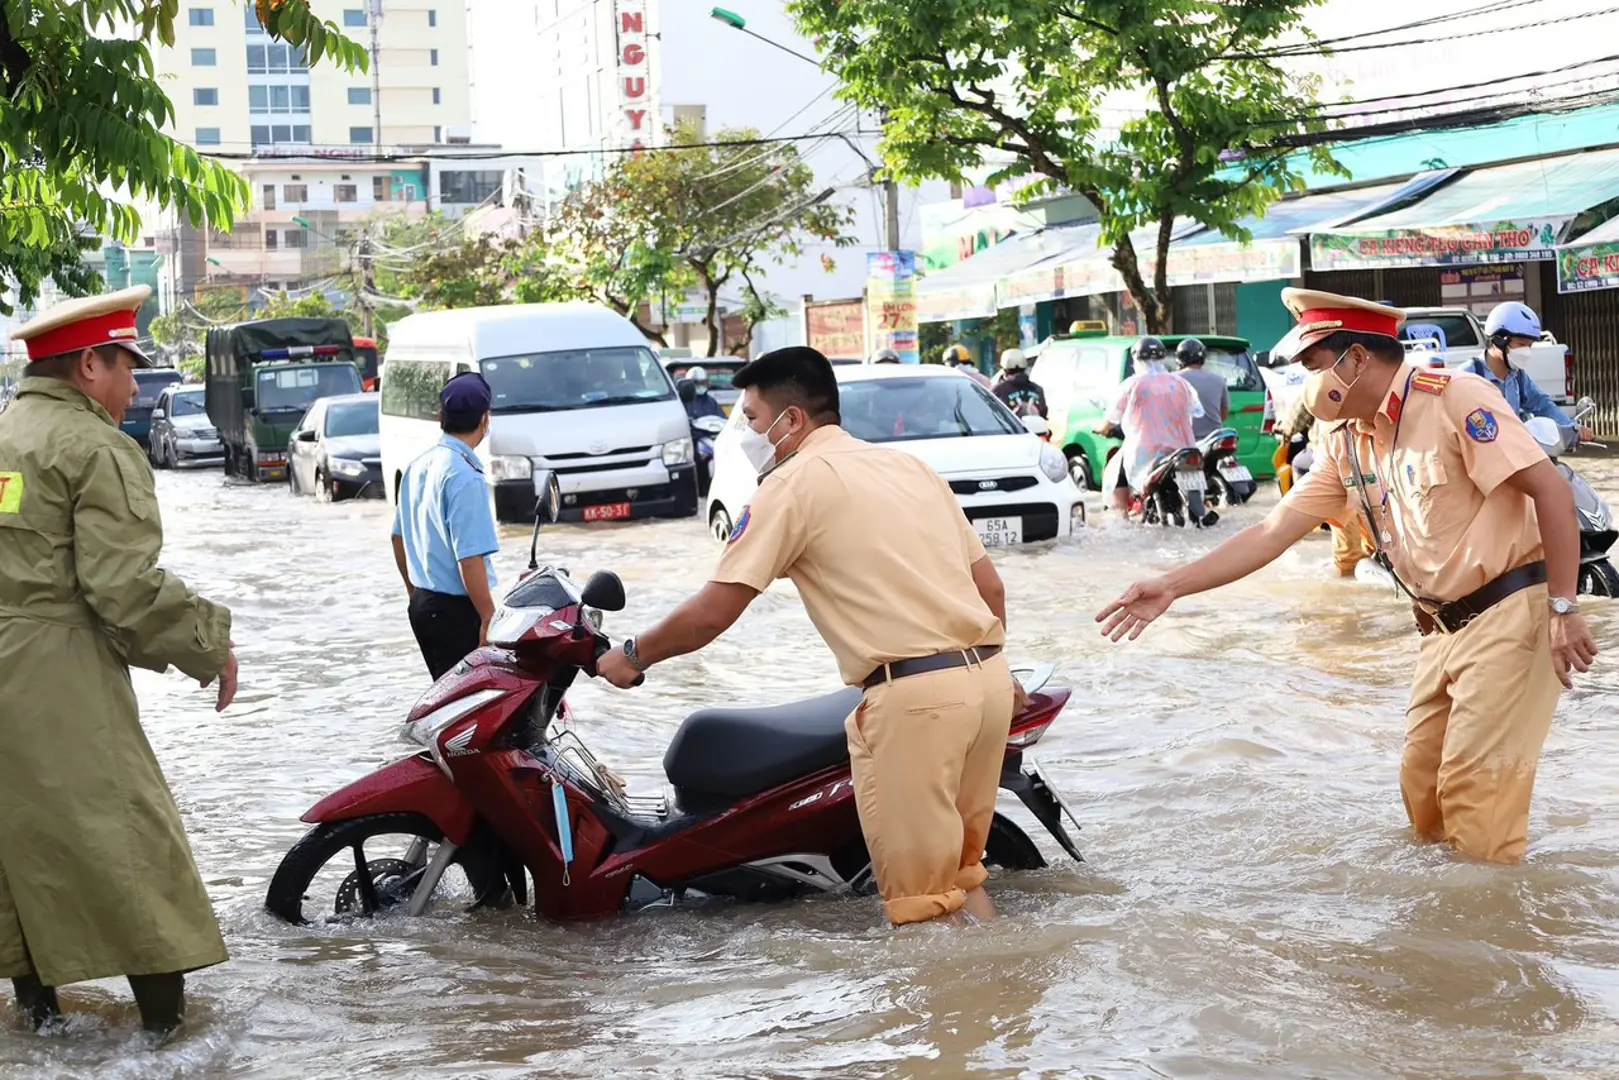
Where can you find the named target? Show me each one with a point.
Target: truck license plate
(608, 512)
(1233, 471)
(999, 532)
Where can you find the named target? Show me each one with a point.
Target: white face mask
(1518, 357)
(758, 448)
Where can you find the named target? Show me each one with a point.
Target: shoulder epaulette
(1430, 382)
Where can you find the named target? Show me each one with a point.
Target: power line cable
(1557, 21)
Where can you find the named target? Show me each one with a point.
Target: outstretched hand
(1141, 604)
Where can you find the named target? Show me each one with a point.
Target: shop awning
(1505, 213)
(966, 290)
(1590, 261)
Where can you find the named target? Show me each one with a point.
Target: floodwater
(1251, 905)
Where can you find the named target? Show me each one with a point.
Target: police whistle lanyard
(559, 801)
(1381, 533)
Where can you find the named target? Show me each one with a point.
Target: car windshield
(1449, 331)
(186, 404)
(895, 410)
(577, 379)
(1235, 366)
(298, 387)
(351, 418)
(719, 378)
(149, 384)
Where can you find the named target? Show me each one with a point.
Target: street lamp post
(890, 189)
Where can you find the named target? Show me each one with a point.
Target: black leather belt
(899, 669)
(1449, 618)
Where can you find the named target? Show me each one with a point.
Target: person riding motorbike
(885, 356)
(1512, 328)
(958, 357)
(1016, 390)
(702, 403)
(1212, 391)
(1154, 411)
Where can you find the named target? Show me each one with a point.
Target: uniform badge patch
(1481, 426)
(11, 492)
(741, 525)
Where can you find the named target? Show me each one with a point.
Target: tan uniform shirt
(876, 544)
(1443, 445)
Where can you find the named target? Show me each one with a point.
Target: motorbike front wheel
(1599, 579)
(313, 870)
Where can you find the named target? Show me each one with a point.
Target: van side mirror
(604, 591)
(158, 413)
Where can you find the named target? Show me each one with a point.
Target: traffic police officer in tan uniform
(1476, 523)
(900, 588)
(96, 877)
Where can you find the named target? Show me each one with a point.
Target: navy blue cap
(468, 392)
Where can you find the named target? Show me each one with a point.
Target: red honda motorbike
(502, 790)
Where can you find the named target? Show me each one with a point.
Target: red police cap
(1322, 314)
(86, 322)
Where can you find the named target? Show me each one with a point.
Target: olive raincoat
(96, 877)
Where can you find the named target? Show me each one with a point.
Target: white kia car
(1013, 485)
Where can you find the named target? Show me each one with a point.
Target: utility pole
(368, 281)
(376, 82)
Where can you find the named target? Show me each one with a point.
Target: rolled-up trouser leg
(1503, 691)
(909, 744)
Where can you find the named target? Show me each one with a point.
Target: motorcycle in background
(704, 430)
(1597, 533)
(1227, 480)
(500, 790)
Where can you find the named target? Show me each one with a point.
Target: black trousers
(446, 628)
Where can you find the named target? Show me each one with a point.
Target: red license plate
(609, 512)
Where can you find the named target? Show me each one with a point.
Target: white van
(577, 390)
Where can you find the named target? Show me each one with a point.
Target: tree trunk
(1153, 310)
(632, 312)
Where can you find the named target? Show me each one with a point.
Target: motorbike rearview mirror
(604, 591)
(547, 509)
(713, 425)
(1036, 425)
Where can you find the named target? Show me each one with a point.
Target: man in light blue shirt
(444, 531)
(1511, 327)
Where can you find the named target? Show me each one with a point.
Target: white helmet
(1014, 360)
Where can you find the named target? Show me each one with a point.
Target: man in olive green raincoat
(96, 877)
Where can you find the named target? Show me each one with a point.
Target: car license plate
(1190, 479)
(608, 512)
(1233, 471)
(999, 532)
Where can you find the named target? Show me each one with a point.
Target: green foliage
(81, 133)
(1037, 89)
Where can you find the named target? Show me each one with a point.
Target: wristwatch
(1563, 606)
(631, 655)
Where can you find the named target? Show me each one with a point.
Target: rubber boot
(36, 1001)
(162, 1001)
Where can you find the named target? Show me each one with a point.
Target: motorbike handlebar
(603, 647)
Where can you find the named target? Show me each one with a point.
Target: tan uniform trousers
(1350, 545)
(1480, 709)
(927, 752)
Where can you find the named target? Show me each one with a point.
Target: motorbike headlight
(1052, 463)
(347, 467)
(510, 467)
(424, 731)
(677, 451)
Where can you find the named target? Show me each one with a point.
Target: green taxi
(1081, 374)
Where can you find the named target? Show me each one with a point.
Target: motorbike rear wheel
(1599, 579)
(377, 885)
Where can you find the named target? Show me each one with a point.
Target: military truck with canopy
(262, 378)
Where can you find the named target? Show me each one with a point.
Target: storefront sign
(1581, 269)
(1263, 260)
(1480, 288)
(1447, 245)
(891, 302)
(836, 328)
(637, 118)
(961, 302)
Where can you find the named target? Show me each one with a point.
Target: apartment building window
(208, 136)
(379, 188)
(345, 192)
(353, 16)
(205, 57)
(295, 193)
(438, 134)
(271, 238)
(274, 59)
(432, 57)
(437, 96)
(278, 99)
(202, 16)
(205, 96)
(360, 136)
(253, 24)
(267, 202)
(297, 238)
(359, 95)
(266, 135)
(468, 188)
(432, 17)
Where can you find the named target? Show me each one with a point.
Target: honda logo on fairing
(987, 485)
(457, 747)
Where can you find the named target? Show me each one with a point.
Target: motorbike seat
(734, 753)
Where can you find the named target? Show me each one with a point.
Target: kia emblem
(599, 448)
(987, 485)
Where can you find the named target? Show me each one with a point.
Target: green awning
(1505, 213)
